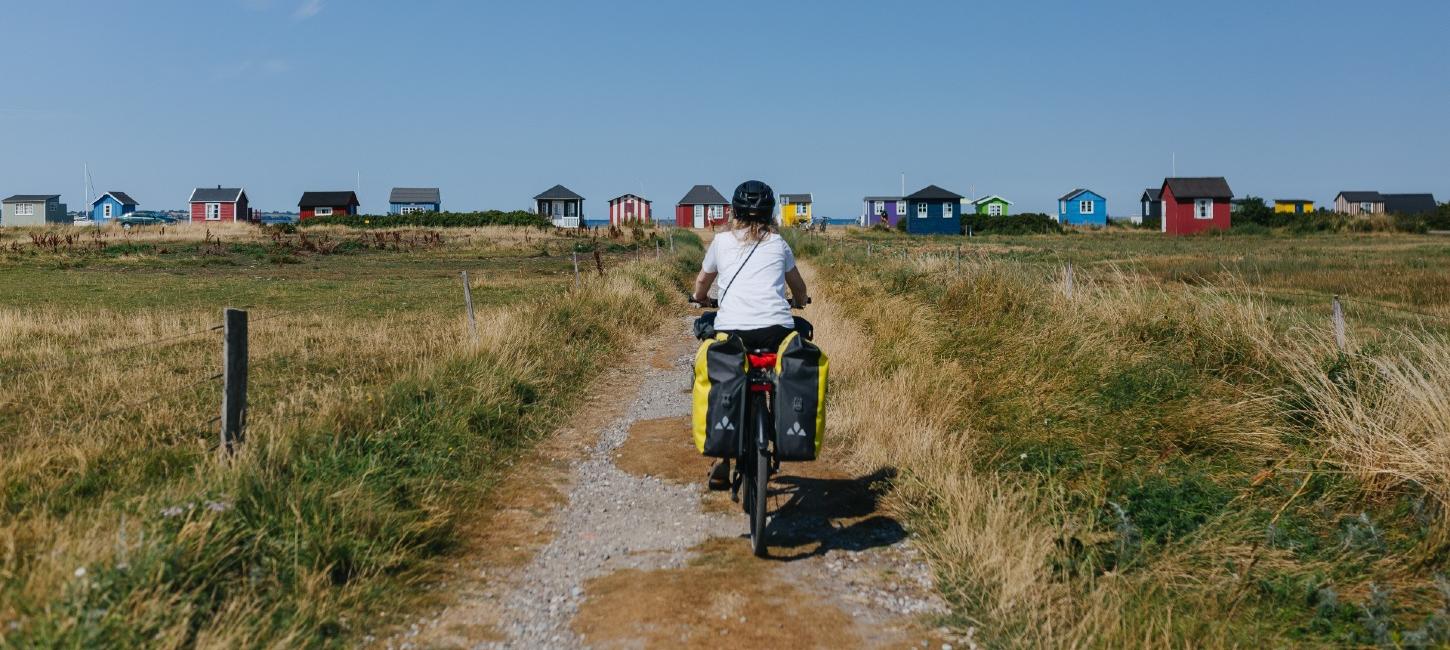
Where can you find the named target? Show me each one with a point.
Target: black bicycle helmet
(754, 201)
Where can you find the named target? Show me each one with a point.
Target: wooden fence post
(672, 242)
(234, 378)
(959, 258)
(576, 268)
(1067, 285)
(599, 262)
(657, 250)
(468, 304)
(868, 249)
(1339, 324)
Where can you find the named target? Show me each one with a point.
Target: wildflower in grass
(80, 572)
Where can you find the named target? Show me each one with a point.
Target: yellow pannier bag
(719, 396)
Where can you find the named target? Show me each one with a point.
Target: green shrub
(1027, 223)
(1166, 508)
(803, 244)
(434, 220)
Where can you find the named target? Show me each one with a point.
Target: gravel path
(863, 564)
(614, 520)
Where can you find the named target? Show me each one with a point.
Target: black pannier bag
(705, 326)
(800, 399)
(719, 396)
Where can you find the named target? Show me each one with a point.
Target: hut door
(699, 216)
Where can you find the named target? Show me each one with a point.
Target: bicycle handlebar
(711, 303)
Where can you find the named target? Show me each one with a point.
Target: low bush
(1253, 215)
(1027, 223)
(433, 220)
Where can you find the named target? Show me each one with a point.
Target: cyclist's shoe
(720, 476)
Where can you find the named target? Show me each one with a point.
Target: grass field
(1174, 455)
(1387, 279)
(375, 421)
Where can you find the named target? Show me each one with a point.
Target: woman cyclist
(754, 266)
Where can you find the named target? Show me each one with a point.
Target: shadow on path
(820, 515)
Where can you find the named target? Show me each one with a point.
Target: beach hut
(629, 209)
(1192, 205)
(992, 206)
(561, 205)
(1082, 207)
(795, 209)
(408, 200)
(33, 210)
(886, 210)
(702, 207)
(110, 205)
(219, 204)
(327, 204)
(933, 211)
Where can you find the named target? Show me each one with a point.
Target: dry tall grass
(944, 373)
(369, 437)
(1385, 416)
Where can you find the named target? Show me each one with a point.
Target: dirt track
(608, 539)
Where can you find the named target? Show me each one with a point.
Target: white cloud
(307, 9)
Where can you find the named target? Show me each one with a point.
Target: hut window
(946, 210)
(995, 209)
(1366, 207)
(1085, 207)
(880, 208)
(900, 208)
(1203, 208)
(106, 210)
(322, 212)
(921, 210)
(213, 212)
(800, 208)
(24, 209)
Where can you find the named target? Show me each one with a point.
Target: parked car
(144, 219)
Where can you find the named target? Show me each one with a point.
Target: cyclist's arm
(702, 285)
(797, 286)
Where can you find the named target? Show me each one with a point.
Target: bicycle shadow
(820, 515)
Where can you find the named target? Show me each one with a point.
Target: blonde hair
(754, 230)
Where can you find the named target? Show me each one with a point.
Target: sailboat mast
(86, 184)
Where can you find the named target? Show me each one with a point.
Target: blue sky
(495, 102)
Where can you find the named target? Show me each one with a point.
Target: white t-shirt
(756, 298)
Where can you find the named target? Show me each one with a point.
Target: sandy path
(618, 545)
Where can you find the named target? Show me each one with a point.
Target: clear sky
(497, 101)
